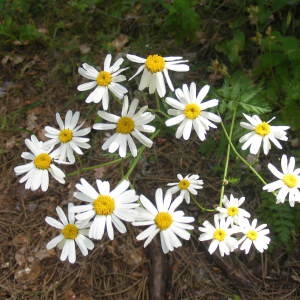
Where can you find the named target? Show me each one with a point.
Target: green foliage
(262, 42)
(83, 5)
(232, 48)
(15, 25)
(282, 220)
(182, 20)
(239, 92)
(280, 59)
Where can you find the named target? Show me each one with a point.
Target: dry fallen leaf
(44, 253)
(31, 121)
(135, 257)
(120, 41)
(84, 49)
(30, 273)
(99, 172)
(20, 240)
(69, 295)
(15, 59)
(10, 143)
(20, 256)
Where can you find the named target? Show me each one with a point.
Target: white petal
(135, 58)
(54, 223)
(203, 92)
(96, 95)
(160, 85)
(177, 68)
(54, 241)
(145, 80)
(107, 62)
(86, 86)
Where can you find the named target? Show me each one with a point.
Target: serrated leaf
(247, 97)
(251, 108)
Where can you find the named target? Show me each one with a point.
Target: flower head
(189, 112)
(70, 136)
(232, 210)
(41, 164)
(220, 234)
(187, 185)
(71, 232)
(163, 219)
(261, 133)
(254, 235)
(129, 124)
(104, 81)
(155, 68)
(288, 182)
(106, 207)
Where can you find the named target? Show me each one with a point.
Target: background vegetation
(249, 51)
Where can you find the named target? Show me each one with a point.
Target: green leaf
(256, 109)
(233, 47)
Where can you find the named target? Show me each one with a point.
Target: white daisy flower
(104, 81)
(163, 219)
(70, 136)
(220, 234)
(186, 185)
(70, 232)
(288, 182)
(129, 124)
(261, 133)
(41, 164)
(189, 111)
(155, 68)
(254, 235)
(232, 210)
(106, 207)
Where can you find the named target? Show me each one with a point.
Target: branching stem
(229, 137)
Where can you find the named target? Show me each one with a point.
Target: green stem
(138, 157)
(199, 205)
(227, 159)
(157, 101)
(241, 157)
(108, 163)
(156, 111)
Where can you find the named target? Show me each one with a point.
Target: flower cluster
(69, 137)
(105, 209)
(232, 229)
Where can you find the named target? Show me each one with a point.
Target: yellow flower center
(104, 205)
(263, 129)
(155, 63)
(290, 180)
(65, 135)
(219, 235)
(104, 78)
(183, 184)
(163, 220)
(251, 235)
(125, 125)
(42, 161)
(192, 111)
(232, 211)
(70, 231)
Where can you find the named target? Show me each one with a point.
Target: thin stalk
(157, 101)
(241, 157)
(156, 111)
(108, 163)
(138, 157)
(200, 206)
(227, 159)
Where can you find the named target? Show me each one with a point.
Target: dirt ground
(34, 87)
